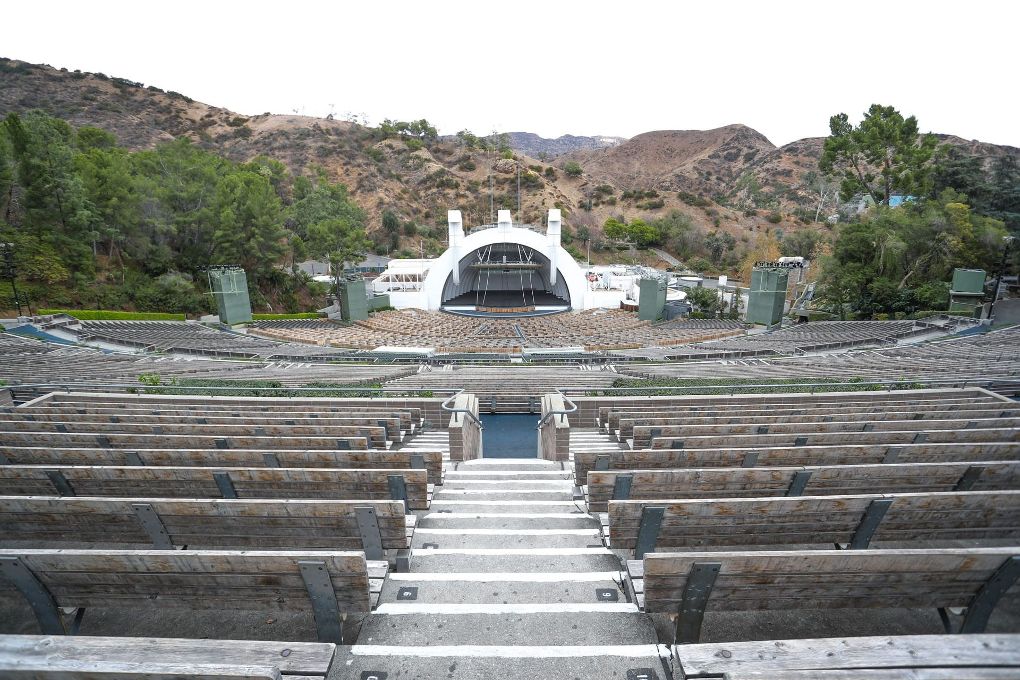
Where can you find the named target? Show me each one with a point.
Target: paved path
(667, 257)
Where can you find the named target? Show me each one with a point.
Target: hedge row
(110, 315)
(274, 317)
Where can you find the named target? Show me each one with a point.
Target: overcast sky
(554, 66)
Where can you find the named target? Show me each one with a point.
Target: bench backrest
(370, 526)
(855, 520)
(689, 583)
(208, 482)
(985, 434)
(121, 440)
(799, 481)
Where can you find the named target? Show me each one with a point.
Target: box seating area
(208, 503)
(785, 500)
(994, 354)
(592, 329)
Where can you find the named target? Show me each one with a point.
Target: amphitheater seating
(854, 521)
(42, 657)
(685, 585)
(593, 329)
(161, 523)
(329, 584)
(903, 657)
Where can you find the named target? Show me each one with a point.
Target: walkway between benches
(508, 579)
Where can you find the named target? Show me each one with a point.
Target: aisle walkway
(509, 579)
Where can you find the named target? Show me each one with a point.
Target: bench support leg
(621, 487)
(38, 596)
(329, 626)
(648, 530)
(700, 581)
(368, 527)
(869, 523)
(398, 488)
(153, 525)
(980, 609)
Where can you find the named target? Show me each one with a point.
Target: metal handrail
(455, 410)
(572, 409)
(828, 387)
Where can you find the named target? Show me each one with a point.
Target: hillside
(731, 178)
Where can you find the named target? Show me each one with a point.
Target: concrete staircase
(508, 579)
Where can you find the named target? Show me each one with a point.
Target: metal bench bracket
(699, 585)
(226, 486)
(980, 609)
(648, 530)
(153, 525)
(133, 458)
(621, 487)
(892, 454)
(602, 462)
(398, 488)
(60, 482)
(328, 624)
(869, 523)
(800, 480)
(270, 460)
(750, 459)
(371, 538)
(969, 478)
(38, 596)
(417, 461)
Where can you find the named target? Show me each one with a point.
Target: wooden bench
(211, 482)
(898, 657)
(685, 585)
(830, 454)
(797, 481)
(989, 434)
(120, 440)
(370, 526)
(847, 521)
(431, 461)
(53, 657)
(329, 584)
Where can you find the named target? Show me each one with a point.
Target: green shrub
(112, 315)
(691, 199)
(572, 168)
(774, 217)
(414, 144)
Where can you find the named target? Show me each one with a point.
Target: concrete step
(449, 560)
(504, 588)
(451, 494)
(508, 475)
(505, 464)
(514, 483)
(472, 504)
(507, 520)
(617, 662)
(555, 624)
(505, 538)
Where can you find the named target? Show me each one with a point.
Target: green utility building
(967, 292)
(767, 295)
(230, 286)
(651, 299)
(353, 300)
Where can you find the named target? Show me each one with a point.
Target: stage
(506, 303)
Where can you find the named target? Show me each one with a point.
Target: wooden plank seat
(213, 482)
(853, 521)
(839, 437)
(829, 454)
(953, 657)
(59, 657)
(46, 521)
(772, 419)
(155, 441)
(431, 461)
(289, 425)
(685, 585)
(374, 436)
(798, 481)
(331, 584)
(645, 434)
